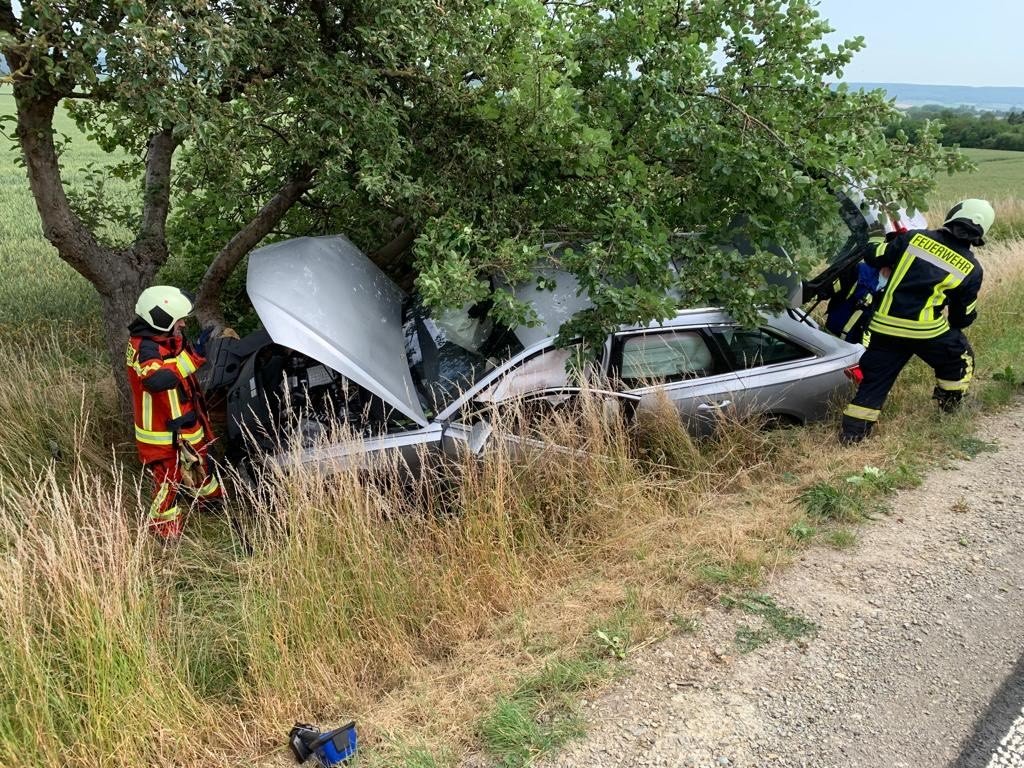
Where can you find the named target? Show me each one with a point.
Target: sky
(934, 42)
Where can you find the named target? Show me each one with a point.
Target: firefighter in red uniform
(931, 296)
(172, 431)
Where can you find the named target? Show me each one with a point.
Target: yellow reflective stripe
(147, 411)
(912, 325)
(953, 386)
(161, 496)
(938, 296)
(167, 438)
(168, 514)
(153, 438)
(862, 413)
(211, 487)
(866, 338)
(185, 365)
(901, 271)
(906, 333)
(853, 320)
(968, 367)
(175, 402)
(971, 307)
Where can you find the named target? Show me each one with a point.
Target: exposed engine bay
(275, 397)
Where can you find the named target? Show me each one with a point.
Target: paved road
(998, 738)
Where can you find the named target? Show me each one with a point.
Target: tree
(452, 140)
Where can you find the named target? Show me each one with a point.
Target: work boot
(854, 430)
(949, 402)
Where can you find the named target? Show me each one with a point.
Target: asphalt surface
(998, 736)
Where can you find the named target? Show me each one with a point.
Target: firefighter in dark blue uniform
(932, 271)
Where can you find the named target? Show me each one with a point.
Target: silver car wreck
(341, 343)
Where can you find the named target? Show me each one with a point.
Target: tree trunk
(118, 305)
(117, 275)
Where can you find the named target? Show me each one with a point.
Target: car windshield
(449, 352)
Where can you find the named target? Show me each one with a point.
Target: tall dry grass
(354, 595)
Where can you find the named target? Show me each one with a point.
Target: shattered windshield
(451, 351)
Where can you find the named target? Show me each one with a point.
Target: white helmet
(161, 306)
(974, 216)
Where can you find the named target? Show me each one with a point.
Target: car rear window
(753, 347)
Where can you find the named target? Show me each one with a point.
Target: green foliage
(1009, 375)
(539, 715)
(841, 538)
(802, 530)
(829, 502)
(777, 622)
(971, 447)
(489, 129)
(964, 127)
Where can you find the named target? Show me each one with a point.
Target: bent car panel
(323, 297)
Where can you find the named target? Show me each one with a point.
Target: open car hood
(323, 297)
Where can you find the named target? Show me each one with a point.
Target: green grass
(841, 538)
(540, 714)
(1000, 174)
(777, 622)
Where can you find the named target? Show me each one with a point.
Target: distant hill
(996, 98)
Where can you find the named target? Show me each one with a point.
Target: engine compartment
(279, 397)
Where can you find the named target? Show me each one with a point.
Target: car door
(779, 375)
(514, 401)
(682, 364)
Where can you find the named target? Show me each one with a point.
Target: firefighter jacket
(932, 271)
(165, 393)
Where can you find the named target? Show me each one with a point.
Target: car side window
(665, 356)
(753, 347)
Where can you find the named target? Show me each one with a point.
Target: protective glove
(228, 333)
(189, 465)
(204, 337)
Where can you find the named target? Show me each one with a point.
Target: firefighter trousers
(172, 479)
(949, 355)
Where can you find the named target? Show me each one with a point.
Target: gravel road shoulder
(919, 625)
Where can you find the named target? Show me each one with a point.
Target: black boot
(949, 401)
(854, 430)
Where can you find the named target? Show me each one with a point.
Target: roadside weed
(828, 502)
(540, 714)
(777, 621)
(841, 538)
(1010, 376)
(688, 625)
(614, 645)
(802, 530)
(971, 446)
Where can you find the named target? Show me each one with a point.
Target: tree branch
(151, 242)
(388, 255)
(208, 301)
(61, 226)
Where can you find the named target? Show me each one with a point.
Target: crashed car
(342, 344)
